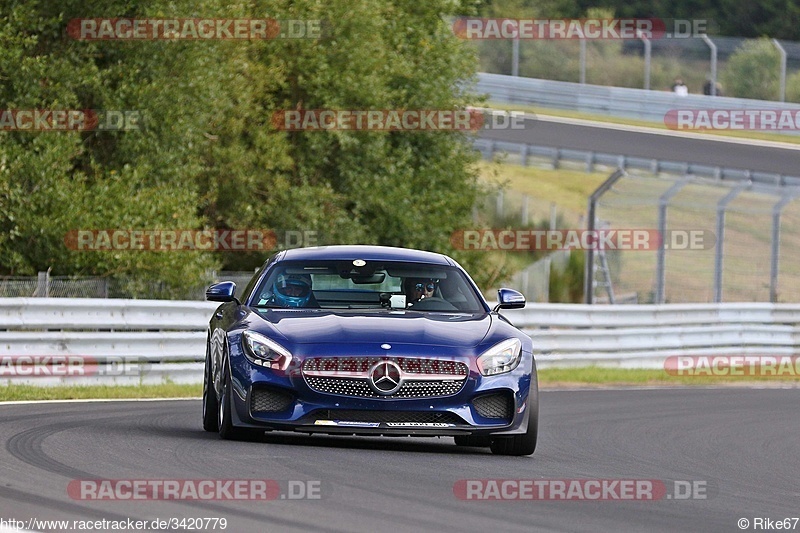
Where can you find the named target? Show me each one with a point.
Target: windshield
(367, 285)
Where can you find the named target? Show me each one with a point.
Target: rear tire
(473, 440)
(524, 444)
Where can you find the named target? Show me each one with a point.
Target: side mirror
(222, 292)
(509, 299)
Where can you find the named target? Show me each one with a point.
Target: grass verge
(83, 392)
(549, 378)
(554, 378)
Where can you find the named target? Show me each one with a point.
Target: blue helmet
(292, 290)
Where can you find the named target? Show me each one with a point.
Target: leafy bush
(753, 71)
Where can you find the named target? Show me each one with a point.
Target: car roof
(365, 252)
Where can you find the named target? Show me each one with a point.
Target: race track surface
(673, 147)
(743, 444)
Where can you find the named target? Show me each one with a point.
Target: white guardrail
(151, 341)
(612, 101)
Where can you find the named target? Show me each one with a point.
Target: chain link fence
(46, 286)
(747, 247)
(626, 63)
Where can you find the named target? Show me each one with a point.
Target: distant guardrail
(613, 101)
(523, 154)
(152, 341)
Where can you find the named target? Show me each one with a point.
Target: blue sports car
(369, 340)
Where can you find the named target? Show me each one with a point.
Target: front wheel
(210, 401)
(524, 444)
(227, 430)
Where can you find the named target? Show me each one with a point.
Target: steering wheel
(443, 305)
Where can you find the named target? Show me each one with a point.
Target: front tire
(524, 444)
(210, 401)
(227, 431)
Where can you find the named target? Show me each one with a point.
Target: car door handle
(218, 314)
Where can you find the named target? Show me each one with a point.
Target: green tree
(753, 71)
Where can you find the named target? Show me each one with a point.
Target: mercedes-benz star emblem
(385, 377)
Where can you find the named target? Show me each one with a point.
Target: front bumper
(310, 411)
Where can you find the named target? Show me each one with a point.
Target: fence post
(718, 260)
(783, 68)
(647, 56)
(525, 215)
(515, 55)
(42, 285)
(776, 246)
(588, 285)
(499, 204)
(663, 204)
(713, 48)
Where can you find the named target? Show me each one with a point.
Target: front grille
(361, 389)
(269, 400)
(388, 417)
(349, 376)
(410, 365)
(499, 405)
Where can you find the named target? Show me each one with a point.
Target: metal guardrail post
(777, 209)
(713, 48)
(588, 285)
(721, 205)
(783, 69)
(663, 203)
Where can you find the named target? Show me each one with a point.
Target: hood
(351, 326)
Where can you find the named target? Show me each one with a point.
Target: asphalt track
(743, 444)
(655, 144)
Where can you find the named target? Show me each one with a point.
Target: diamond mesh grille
(409, 365)
(270, 400)
(494, 406)
(360, 388)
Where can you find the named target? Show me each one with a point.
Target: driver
(421, 288)
(292, 290)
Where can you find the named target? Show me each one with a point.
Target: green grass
(33, 392)
(546, 111)
(594, 375)
(550, 378)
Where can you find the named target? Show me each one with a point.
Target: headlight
(265, 352)
(500, 358)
